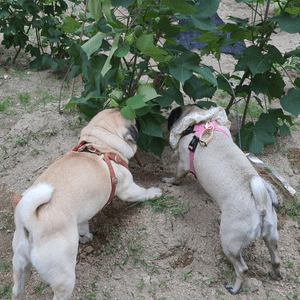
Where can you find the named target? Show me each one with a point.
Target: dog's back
(223, 169)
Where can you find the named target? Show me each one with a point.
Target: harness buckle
(114, 181)
(117, 159)
(193, 144)
(209, 126)
(91, 149)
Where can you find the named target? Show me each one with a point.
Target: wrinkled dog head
(179, 112)
(110, 128)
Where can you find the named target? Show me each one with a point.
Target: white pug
(246, 201)
(70, 192)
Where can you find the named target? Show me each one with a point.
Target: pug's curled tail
(27, 212)
(264, 195)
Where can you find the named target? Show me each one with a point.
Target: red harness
(107, 157)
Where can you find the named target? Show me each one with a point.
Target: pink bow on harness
(199, 129)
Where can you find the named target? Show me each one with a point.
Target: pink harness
(199, 129)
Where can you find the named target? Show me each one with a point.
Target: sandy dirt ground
(168, 250)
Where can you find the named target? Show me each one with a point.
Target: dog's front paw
(83, 239)
(154, 192)
(230, 289)
(168, 180)
(275, 276)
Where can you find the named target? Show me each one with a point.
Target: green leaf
(255, 137)
(285, 130)
(153, 125)
(48, 61)
(103, 27)
(93, 44)
(168, 97)
(54, 35)
(291, 102)
(94, 68)
(106, 7)
(4, 13)
(146, 46)
(295, 52)
(179, 71)
(124, 3)
(70, 25)
(148, 92)
(136, 102)
(278, 114)
(297, 82)
(206, 104)
(246, 135)
(198, 89)
(182, 68)
(255, 60)
(270, 122)
(262, 135)
(37, 23)
(203, 23)
(128, 113)
(119, 77)
(95, 8)
(287, 22)
(274, 55)
(123, 50)
(205, 9)
(157, 145)
(178, 6)
(268, 83)
(175, 49)
(114, 47)
(176, 95)
(209, 37)
(167, 28)
(207, 74)
(223, 84)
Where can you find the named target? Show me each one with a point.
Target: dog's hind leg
(64, 288)
(21, 263)
(270, 237)
(21, 268)
(55, 261)
(240, 268)
(231, 244)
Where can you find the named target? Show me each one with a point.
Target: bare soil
(137, 252)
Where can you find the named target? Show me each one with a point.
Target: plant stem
(246, 108)
(14, 59)
(81, 34)
(264, 24)
(134, 86)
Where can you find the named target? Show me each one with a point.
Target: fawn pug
(247, 202)
(70, 192)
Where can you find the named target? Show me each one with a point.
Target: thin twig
(246, 108)
(14, 59)
(133, 88)
(59, 100)
(81, 34)
(264, 23)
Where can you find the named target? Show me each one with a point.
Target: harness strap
(200, 130)
(107, 157)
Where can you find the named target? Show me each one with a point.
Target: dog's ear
(174, 116)
(16, 199)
